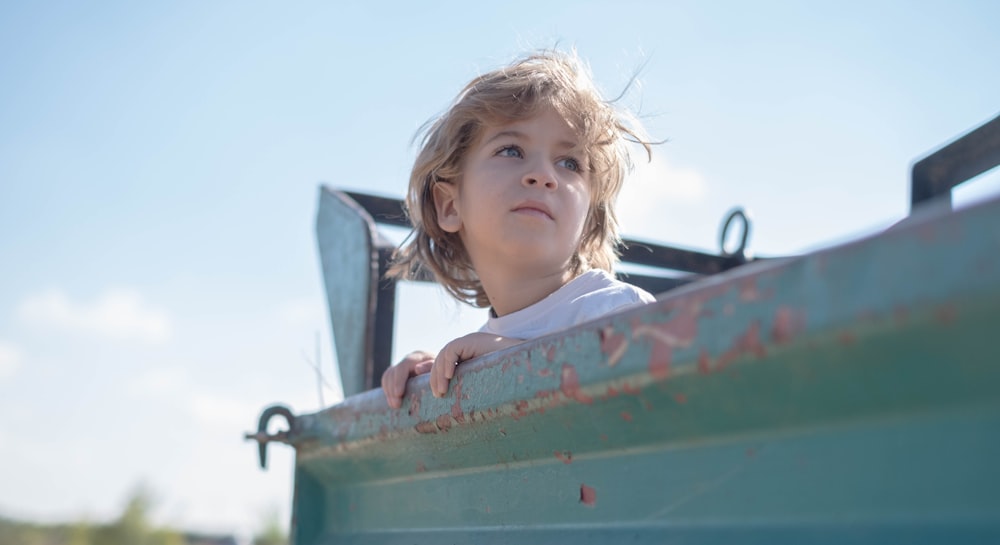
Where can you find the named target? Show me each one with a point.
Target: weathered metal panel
(345, 235)
(847, 395)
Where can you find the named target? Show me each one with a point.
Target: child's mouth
(534, 209)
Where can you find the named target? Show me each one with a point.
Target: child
(511, 200)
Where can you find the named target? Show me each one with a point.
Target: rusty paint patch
(846, 338)
(569, 385)
(787, 323)
(421, 467)
(444, 422)
(748, 289)
(900, 315)
(630, 389)
(425, 427)
(521, 409)
(680, 398)
(613, 345)
(564, 456)
(659, 361)
(612, 392)
(588, 496)
(603, 437)
(626, 416)
(704, 362)
(545, 372)
(946, 314)
(679, 331)
(748, 343)
(414, 409)
(456, 408)
(550, 354)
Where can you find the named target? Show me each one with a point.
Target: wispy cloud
(10, 359)
(119, 314)
(657, 184)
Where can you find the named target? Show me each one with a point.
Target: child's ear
(445, 196)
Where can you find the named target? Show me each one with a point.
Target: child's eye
(570, 163)
(510, 151)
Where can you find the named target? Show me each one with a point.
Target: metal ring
(736, 213)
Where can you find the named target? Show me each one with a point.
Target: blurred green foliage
(132, 527)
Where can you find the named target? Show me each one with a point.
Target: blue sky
(159, 165)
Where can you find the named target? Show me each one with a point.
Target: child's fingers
(439, 385)
(423, 367)
(441, 372)
(390, 386)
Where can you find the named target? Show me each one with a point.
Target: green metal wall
(850, 395)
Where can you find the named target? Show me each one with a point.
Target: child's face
(523, 196)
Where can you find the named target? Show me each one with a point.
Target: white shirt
(588, 296)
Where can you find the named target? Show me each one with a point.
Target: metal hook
(263, 438)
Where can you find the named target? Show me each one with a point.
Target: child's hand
(462, 349)
(394, 379)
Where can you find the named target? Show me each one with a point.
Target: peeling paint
(787, 324)
(900, 315)
(456, 408)
(550, 354)
(444, 422)
(630, 389)
(679, 331)
(570, 385)
(626, 416)
(748, 343)
(704, 362)
(521, 409)
(748, 289)
(946, 314)
(613, 345)
(415, 400)
(588, 496)
(564, 456)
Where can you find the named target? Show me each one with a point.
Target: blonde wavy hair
(506, 95)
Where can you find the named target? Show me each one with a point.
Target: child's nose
(541, 176)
